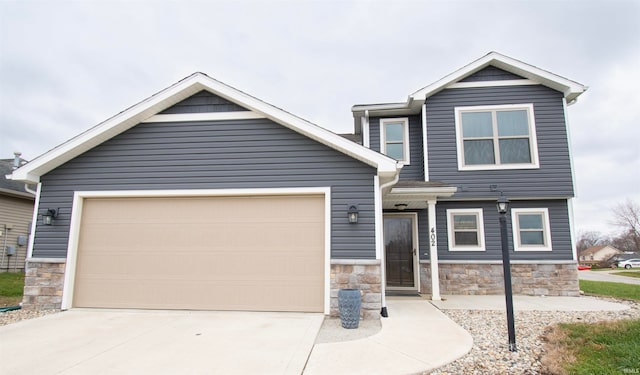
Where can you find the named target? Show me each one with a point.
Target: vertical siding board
(559, 224)
(552, 179)
(262, 154)
(203, 102)
(491, 73)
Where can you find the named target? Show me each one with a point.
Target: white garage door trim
(80, 196)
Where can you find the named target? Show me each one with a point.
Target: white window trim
(535, 164)
(406, 149)
(450, 232)
(516, 229)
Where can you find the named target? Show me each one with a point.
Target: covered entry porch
(410, 211)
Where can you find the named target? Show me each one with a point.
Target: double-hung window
(496, 137)
(394, 138)
(531, 229)
(465, 229)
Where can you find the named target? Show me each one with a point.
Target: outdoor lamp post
(503, 207)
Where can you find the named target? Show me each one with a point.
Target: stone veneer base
(534, 279)
(43, 283)
(357, 274)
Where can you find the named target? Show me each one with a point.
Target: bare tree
(587, 239)
(626, 215)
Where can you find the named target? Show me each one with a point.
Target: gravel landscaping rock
(490, 353)
(18, 315)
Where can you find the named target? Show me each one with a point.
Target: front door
(400, 251)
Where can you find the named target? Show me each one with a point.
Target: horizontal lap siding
(415, 170)
(559, 223)
(240, 154)
(552, 179)
(16, 213)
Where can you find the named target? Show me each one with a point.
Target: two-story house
(204, 197)
(496, 126)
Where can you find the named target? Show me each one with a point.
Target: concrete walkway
(416, 337)
(607, 276)
(527, 303)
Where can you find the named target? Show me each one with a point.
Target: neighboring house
(203, 197)
(597, 254)
(16, 211)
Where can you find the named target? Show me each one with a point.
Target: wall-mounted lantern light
(352, 213)
(52, 213)
(401, 206)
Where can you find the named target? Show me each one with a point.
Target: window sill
(497, 167)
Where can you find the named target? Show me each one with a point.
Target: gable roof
(595, 249)
(570, 89)
(31, 172)
(8, 187)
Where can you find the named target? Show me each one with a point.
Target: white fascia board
(439, 191)
(183, 89)
(378, 107)
(106, 130)
(571, 89)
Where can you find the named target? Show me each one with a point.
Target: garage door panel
(213, 294)
(200, 236)
(233, 253)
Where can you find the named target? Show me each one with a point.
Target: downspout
(26, 188)
(366, 142)
(383, 273)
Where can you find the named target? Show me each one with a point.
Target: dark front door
(399, 251)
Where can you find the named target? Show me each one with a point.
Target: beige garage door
(261, 253)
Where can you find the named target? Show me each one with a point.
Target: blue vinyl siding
(491, 73)
(415, 170)
(552, 179)
(214, 155)
(559, 224)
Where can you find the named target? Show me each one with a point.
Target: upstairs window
(394, 138)
(465, 229)
(497, 137)
(531, 229)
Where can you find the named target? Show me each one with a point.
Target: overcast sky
(67, 66)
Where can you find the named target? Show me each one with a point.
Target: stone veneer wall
(548, 279)
(357, 274)
(43, 282)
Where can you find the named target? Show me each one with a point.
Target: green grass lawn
(627, 273)
(617, 290)
(602, 348)
(11, 288)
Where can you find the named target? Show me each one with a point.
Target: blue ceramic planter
(349, 306)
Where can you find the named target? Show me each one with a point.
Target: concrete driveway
(607, 276)
(84, 341)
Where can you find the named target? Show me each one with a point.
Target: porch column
(433, 251)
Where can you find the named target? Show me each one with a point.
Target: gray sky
(66, 66)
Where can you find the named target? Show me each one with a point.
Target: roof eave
(570, 89)
(32, 171)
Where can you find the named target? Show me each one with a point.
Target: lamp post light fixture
(503, 207)
(52, 213)
(352, 213)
